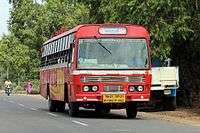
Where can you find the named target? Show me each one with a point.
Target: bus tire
(51, 105)
(106, 110)
(73, 109)
(61, 106)
(131, 110)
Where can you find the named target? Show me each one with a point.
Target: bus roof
(87, 25)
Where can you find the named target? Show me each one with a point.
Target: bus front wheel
(131, 110)
(73, 109)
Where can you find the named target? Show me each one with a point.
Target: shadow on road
(91, 114)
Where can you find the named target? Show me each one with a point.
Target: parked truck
(165, 82)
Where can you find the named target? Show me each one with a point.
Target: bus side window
(70, 53)
(57, 61)
(71, 48)
(42, 61)
(68, 56)
(54, 60)
(62, 56)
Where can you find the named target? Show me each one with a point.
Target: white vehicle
(165, 82)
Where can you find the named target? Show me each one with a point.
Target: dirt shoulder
(181, 115)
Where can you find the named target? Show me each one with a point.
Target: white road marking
(33, 109)
(120, 130)
(52, 114)
(21, 105)
(80, 123)
(12, 101)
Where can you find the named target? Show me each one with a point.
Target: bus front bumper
(99, 97)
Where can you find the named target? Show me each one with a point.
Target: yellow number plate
(113, 98)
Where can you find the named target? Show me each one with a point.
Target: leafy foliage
(21, 61)
(30, 25)
(165, 20)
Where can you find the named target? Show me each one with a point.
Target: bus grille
(112, 79)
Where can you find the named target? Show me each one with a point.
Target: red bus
(97, 66)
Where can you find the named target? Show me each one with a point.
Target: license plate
(167, 92)
(113, 98)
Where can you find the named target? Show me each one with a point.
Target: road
(29, 114)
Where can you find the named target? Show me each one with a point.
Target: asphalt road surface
(29, 114)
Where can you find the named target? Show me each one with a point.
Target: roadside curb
(18, 92)
(24, 92)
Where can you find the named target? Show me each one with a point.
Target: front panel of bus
(111, 64)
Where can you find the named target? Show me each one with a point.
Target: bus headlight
(140, 88)
(94, 88)
(131, 88)
(86, 88)
(136, 88)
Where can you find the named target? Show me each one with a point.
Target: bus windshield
(112, 53)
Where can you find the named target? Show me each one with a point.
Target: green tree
(16, 59)
(94, 8)
(31, 24)
(23, 23)
(165, 20)
(62, 13)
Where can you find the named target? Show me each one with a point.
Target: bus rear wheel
(51, 105)
(61, 106)
(131, 110)
(73, 109)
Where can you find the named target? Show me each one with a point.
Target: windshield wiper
(102, 45)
